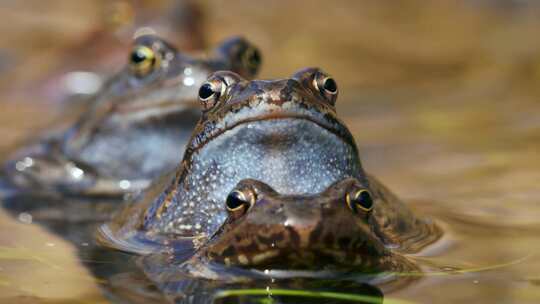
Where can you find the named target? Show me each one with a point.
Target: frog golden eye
(327, 86)
(239, 201)
(206, 92)
(143, 60)
(359, 200)
(210, 93)
(252, 59)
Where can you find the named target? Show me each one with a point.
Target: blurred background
(443, 98)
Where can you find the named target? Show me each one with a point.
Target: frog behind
(135, 128)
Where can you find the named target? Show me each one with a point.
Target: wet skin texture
(324, 231)
(136, 127)
(282, 132)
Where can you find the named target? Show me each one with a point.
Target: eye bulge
(326, 86)
(206, 91)
(330, 85)
(360, 200)
(209, 93)
(238, 200)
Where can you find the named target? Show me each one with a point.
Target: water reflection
(182, 284)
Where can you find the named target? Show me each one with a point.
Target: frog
(283, 132)
(350, 236)
(351, 224)
(135, 128)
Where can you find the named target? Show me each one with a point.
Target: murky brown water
(442, 98)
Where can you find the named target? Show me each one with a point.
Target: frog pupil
(364, 200)
(138, 56)
(330, 85)
(234, 200)
(255, 58)
(206, 91)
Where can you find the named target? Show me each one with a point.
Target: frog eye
(143, 60)
(217, 88)
(251, 59)
(359, 200)
(239, 201)
(209, 94)
(206, 91)
(327, 86)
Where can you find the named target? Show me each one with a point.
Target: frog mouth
(334, 127)
(143, 110)
(165, 99)
(308, 246)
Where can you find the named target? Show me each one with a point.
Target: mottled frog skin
(282, 132)
(136, 128)
(350, 225)
(351, 232)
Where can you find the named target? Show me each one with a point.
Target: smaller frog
(136, 127)
(350, 225)
(350, 231)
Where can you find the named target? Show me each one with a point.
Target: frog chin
(317, 257)
(321, 259)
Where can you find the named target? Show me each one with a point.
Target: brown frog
(348, 235)
(349, 225)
